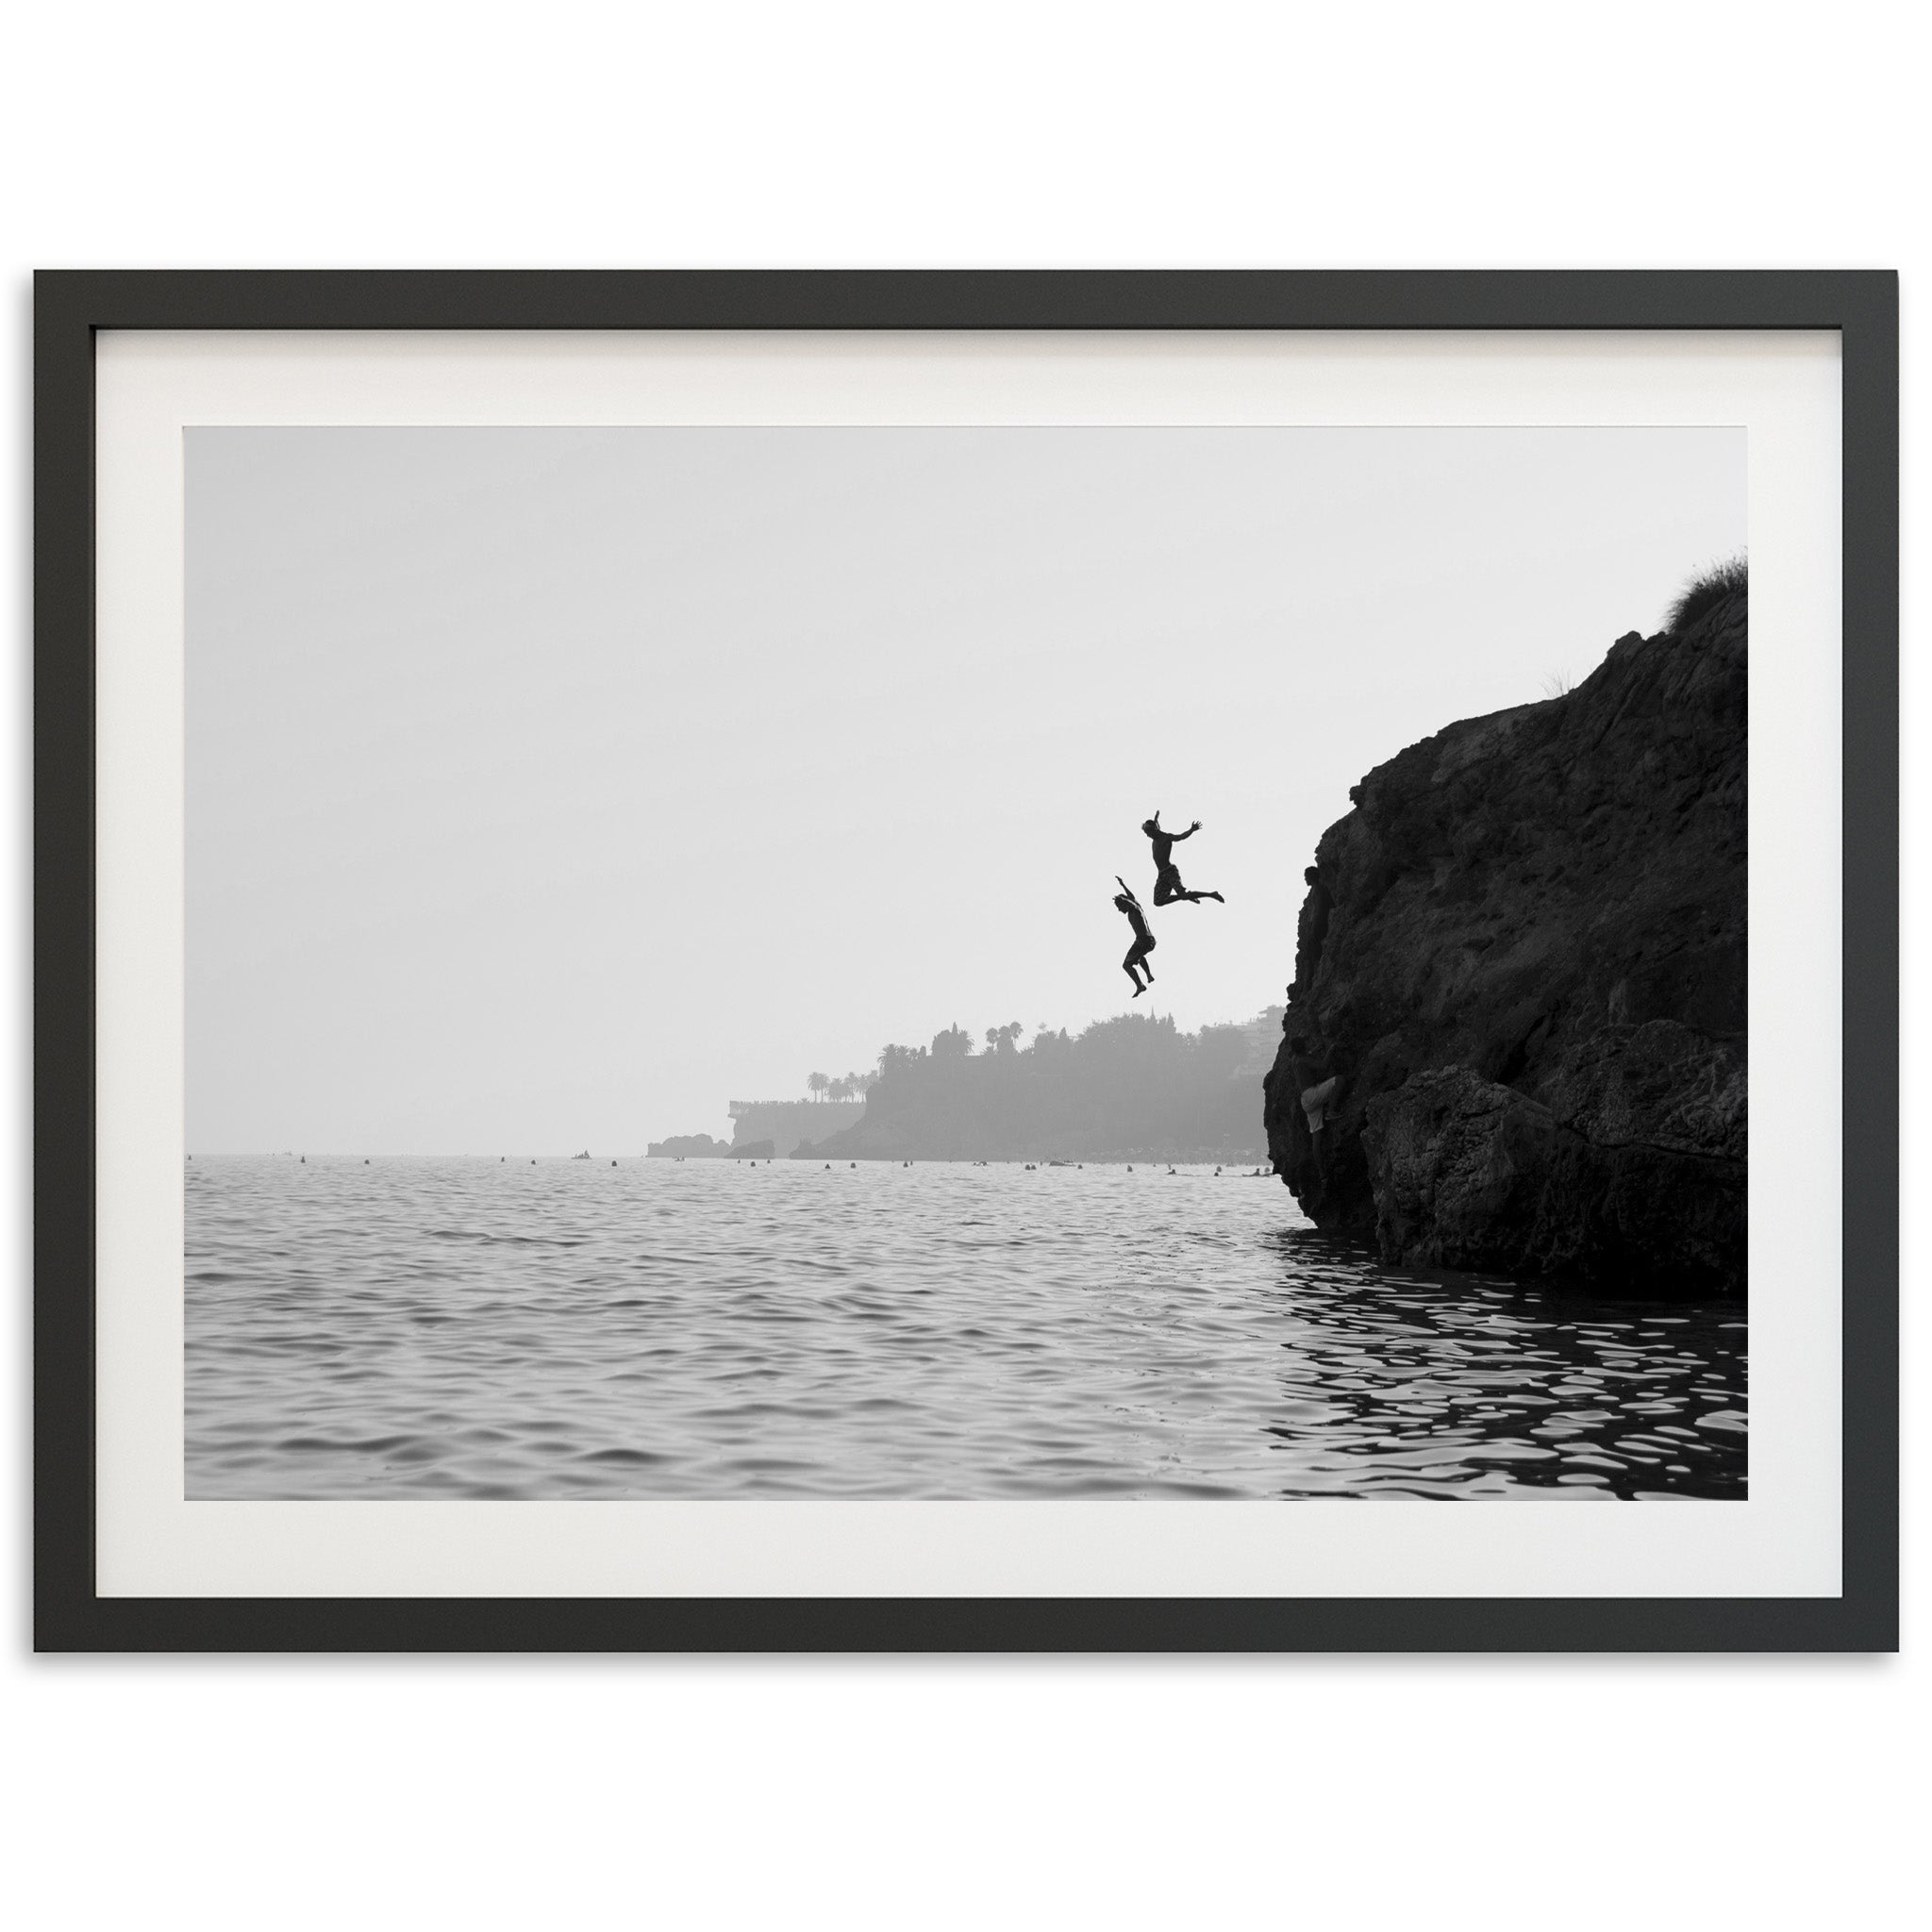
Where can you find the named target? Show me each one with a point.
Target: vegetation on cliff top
(1707, 589)
(841, 1087)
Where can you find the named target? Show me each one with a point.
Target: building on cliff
(1522, 960)
(1264, 1038)
(786, 1123)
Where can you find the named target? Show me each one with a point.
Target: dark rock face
(1525, 968)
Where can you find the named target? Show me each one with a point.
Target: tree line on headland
(838, 1086)
(1135, 1086)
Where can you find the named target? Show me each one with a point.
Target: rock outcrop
(1523, 964)
(690, 1147)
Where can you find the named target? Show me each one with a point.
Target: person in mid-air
(1136, 961)
(1167, 875)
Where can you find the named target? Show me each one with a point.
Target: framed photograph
(949, 961)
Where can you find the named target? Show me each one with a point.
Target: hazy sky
(549, 788)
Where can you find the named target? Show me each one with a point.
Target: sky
(548, 789)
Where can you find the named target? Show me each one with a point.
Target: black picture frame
(70, 308)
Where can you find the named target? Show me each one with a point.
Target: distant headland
(1131, 1088)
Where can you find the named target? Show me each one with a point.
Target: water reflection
(709, 1329)
(1402, 1384)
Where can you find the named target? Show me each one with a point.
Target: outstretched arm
(1178, 837)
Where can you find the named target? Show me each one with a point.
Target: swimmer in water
(1167, 875)
(1136, 961)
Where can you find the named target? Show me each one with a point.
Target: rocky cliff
(1522, 966)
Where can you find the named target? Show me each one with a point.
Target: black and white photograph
(1008, 963)
(841, 832)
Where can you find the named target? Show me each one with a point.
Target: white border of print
(1782, 387)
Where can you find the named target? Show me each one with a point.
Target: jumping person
(1167, 875)
(1136, 961)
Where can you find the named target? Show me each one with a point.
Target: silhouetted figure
(1316, 1095)
(1311, 930)
(1136, 961)
(1167, 875)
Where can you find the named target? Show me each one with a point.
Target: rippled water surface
(442, 1328)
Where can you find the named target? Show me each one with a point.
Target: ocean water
(449, 1328)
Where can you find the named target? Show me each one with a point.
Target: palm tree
(817, 1083)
